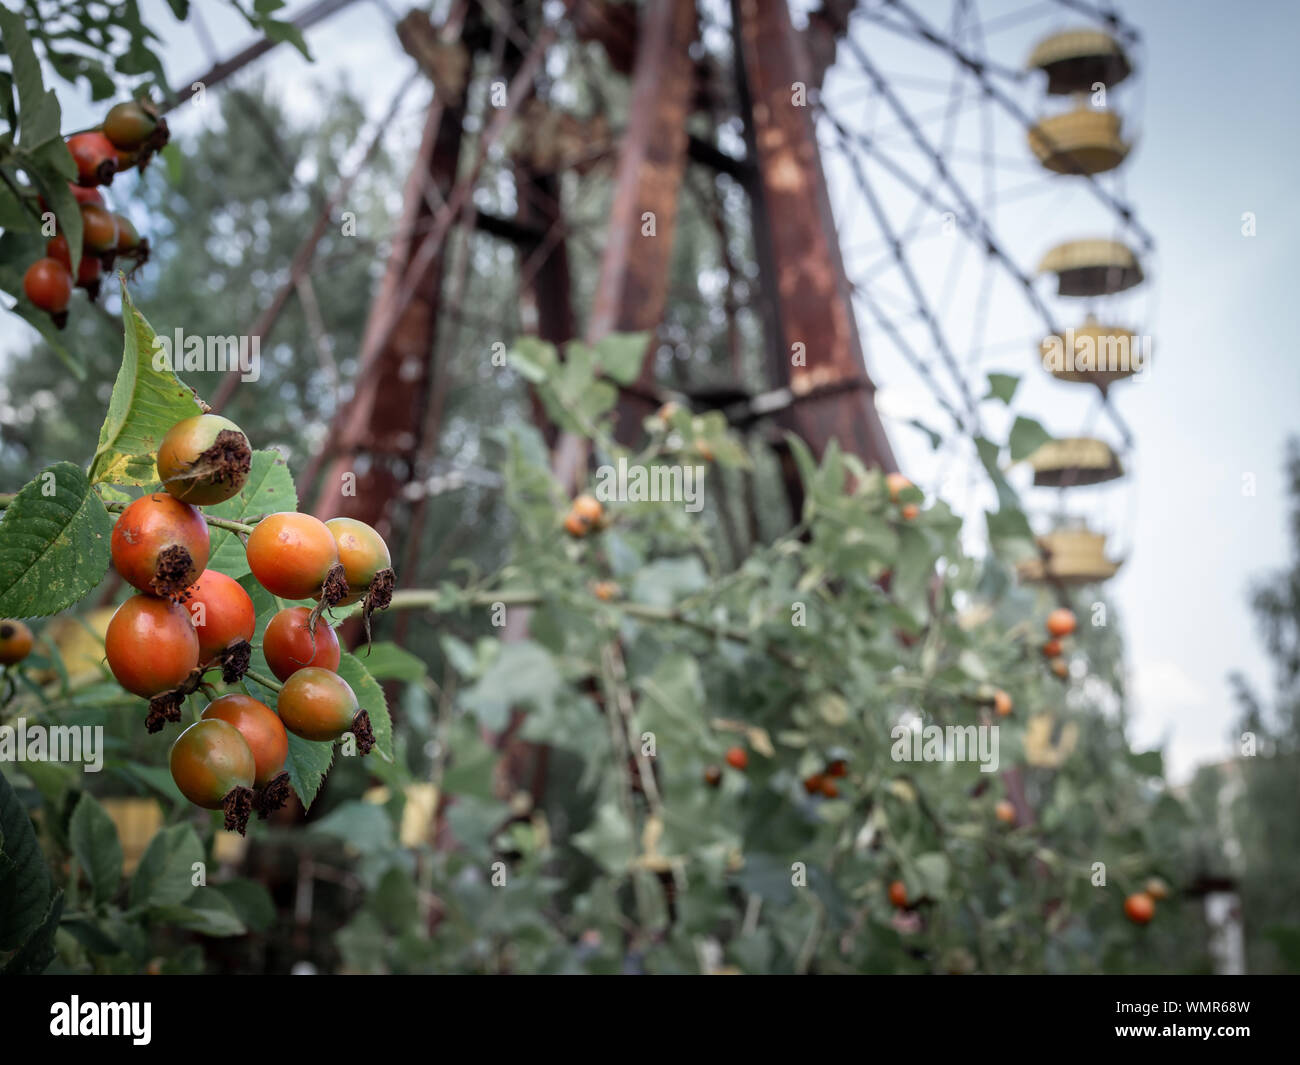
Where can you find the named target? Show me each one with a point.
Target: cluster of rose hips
(586, 515)
(897, 484)
(1060, 623)
(823, 783)
(736, 757)
(188, 620)
(131, 133)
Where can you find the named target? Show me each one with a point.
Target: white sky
(1215, 106)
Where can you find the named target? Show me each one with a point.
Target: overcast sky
(1214, 111)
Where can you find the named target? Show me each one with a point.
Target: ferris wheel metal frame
(917, 152)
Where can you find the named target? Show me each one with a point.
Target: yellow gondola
(1074, 461)
(1092, 267)
(1081, 141)
(1077, 60)
(1095, 354)
(1069, 557)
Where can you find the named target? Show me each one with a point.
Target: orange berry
(896, 482)
(1139, 907)
(1061, 622)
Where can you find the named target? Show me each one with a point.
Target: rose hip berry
(262, 730)
(134, 124)
(1061, 622)
(128, 237)
(84, 196)
(316, 704)
(221, 611)
(1139, 907)
(737, 757)
(98, 229)
(48, 284)
(363, 554)
(15, 642)
(151, 645)
(897, 484)
(214, 768)
(95, 156)
(590, 510)
(287, 643)
(293, 554)
(204, 459)
(160, 545)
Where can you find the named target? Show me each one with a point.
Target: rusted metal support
(380, 433)
(632, 291)
(812, 333)
(545, 283)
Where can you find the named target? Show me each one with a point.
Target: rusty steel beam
(381, 429)
(545, 281)
(808, 298)
(632, 291)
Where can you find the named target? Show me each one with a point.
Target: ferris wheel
(975, 152)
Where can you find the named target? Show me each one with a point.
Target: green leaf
(523, 672)
(38, 107)
(37, 951)
(50, 175)
(1148, 763)
(94, 841)
(1010, 533)
(397, 901)
(165, 874)
(269, 489)
(25, 886)
(387, 661)
(609, 840)
(988, 454)
(622, 354)
(146, 402)
(250, 901)
(1003, 386)
(361, 824)
(287, 33)
(1027, 436)
(308, 764)
(208, 912)
(53, 544)
(370, 694)
(933, 870)
(768, 877)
